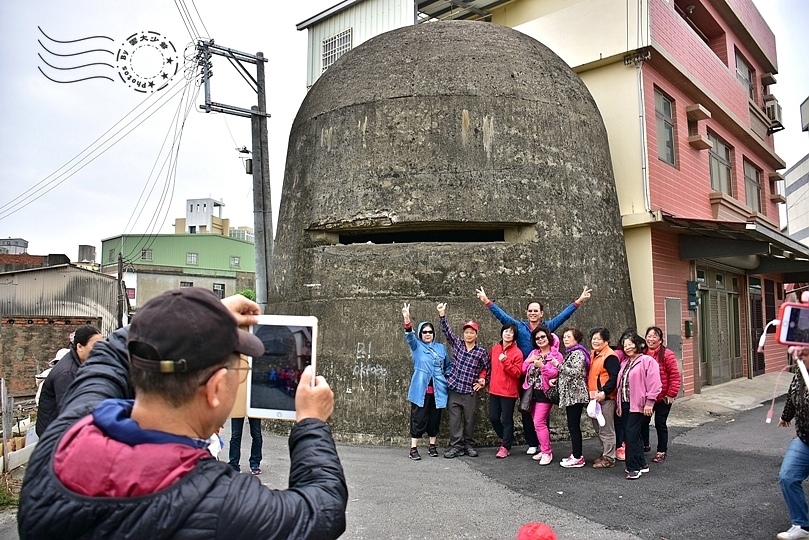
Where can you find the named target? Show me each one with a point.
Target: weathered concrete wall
(442, 126)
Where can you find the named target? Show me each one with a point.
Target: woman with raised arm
(428, 385)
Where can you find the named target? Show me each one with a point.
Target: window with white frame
(235, 262)
(335, 47)
(746, 76)
(664, 117)
(720, 163)
(192, 258)
(219, 289)
(146, 254)
(752, 186)
(184, 284)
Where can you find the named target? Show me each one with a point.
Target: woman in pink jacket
(639, 385)
(539, 371)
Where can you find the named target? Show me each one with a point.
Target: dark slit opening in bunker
(410, 237)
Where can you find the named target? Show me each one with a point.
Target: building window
(186, 284)
(752, 186)
(192, 229)
(219, 289)
(769, 303)
(192, 259)
(235, 262)
(746, 76)
(111, 255)
(130, 293)
(719, 158)
(335, 47)
(664, 114)
(146, 254)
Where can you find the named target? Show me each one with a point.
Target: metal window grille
(235, 262)
(146, 254)
(335, 47)
(186, 284)
(219, 289)
(191, 258)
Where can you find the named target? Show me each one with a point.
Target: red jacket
(669, 372)
(505, 375)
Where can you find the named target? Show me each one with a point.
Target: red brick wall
(28, 344)
(670, 276)
(683, 190)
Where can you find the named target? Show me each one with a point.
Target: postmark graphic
(147, 61)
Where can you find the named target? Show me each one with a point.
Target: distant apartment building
(243, 233)
(685, 88)
(13, 246)
(199, 254)
(797, 195)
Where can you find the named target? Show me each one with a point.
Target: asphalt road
(720, 481)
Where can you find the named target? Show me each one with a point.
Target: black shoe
(647, 448)
(471, 452)
(414, 454)
(453, 452)
(433, 451)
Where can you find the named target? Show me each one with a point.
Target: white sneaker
(573, 463)
(565, 460)
(531, 450)
(546, 459)
(794, 533)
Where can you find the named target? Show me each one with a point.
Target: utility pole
(262, 199)
(119, 287)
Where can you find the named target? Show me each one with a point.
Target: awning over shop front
(753, 245)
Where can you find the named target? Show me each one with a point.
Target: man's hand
(313, 401)
(243, 309)
(441, 308)
(482, 295)
(585, 294)
(479, 384)
(406, 313)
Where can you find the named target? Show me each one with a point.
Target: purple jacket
(644, 382)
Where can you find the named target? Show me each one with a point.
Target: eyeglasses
(427, 332)
(243, 367)
(541, 337)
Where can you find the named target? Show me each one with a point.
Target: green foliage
(250, 294)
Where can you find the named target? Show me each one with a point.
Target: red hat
(470, 324)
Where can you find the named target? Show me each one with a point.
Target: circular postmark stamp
(147, 61)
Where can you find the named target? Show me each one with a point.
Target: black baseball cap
(186, 330)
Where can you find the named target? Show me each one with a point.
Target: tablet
(290, 344)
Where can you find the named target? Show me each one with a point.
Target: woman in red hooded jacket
(671, 379)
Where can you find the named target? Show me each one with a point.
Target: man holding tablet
(113, 467)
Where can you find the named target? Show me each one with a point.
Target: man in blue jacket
(110, 466)
(533, 314)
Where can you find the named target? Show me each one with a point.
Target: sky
(138, 180)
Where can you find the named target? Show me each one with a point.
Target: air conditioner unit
(773, 111)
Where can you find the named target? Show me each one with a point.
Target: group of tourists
(621, 386)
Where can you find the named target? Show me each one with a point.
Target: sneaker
(453, 452)
(546, 459)
(794, 532)
(573, 463)
(255, 471)
(502, 453)
(605, 463)
(620, 453)
(633, 475)
(433, 451)
(568, 458)
(532, 451)
(647, 448)
(414, 454)
(644, 468)
(471, 452)
(660, 457)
